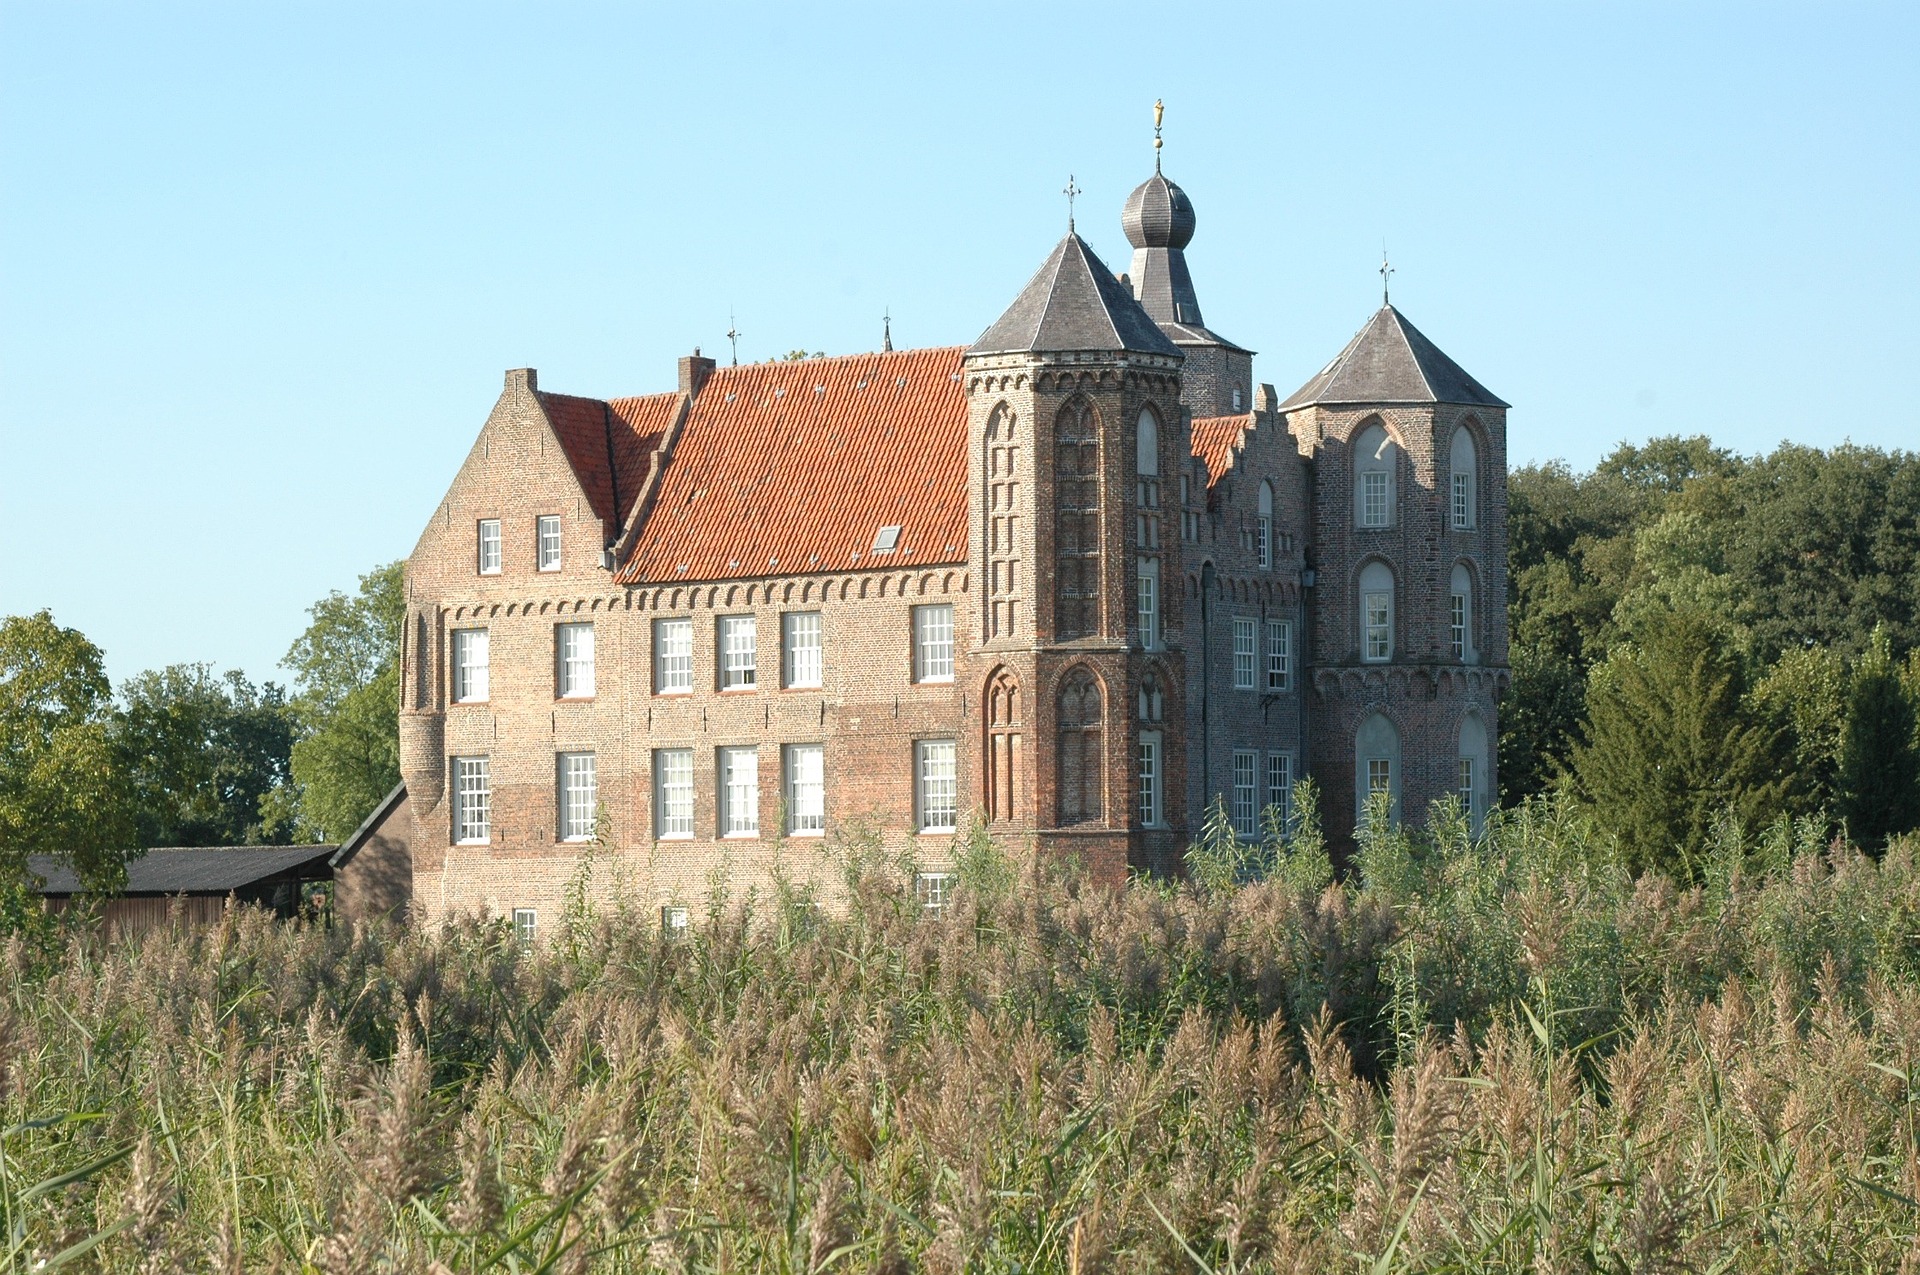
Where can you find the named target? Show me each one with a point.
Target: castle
(1074, 582)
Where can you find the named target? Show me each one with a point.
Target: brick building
(1073, 581)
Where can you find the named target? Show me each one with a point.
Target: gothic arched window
(1465, 467)
(1003, 745)
(1460, 614)
(1082, 769)
(1375, 459)
(1076, 472)
(1471, 786)
(1376, 613)
(1376, 762)
(1003, 525)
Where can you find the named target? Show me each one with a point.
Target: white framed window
(806, 790)
(573, 660)
(800, 638)
(738, 656)
(547, 538)
(1279, 655)
(472, 801)
(739, 792)
(672, 657)
(1280, 786)
(1457, 624)
(1463, 502)
(1246, 652)
(579, 796)
(933, 889)
(1246, 792)
(488, 550)
(1263, 527)
(1373, 499)
(1149, 755)
(936, 786)
(1150, 603)
(1376, 612)
(672, 793)
(674, 921)
(933, 643)
(469, 666)
(1465, 469)
(1374, 456)
(1465, 785)
(1379, 775)
(526, 922)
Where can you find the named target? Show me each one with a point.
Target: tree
(201, 753)
(1672, 744)
(62, 788)
(346, 670)
(1879, 779)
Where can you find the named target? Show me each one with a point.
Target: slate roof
(609, 445)
(1073, 303)
(1389, 361)
(209, 870)
(790, 468)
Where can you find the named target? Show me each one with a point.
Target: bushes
(1493, 1053)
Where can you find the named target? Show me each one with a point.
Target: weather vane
(886, 330)
(733, 338)
(1386, 271)
(1070, 191)
(1158, 111)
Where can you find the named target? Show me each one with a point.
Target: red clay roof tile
(1216, 439)
(608, 444)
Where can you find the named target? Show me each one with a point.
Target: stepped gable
(1073, 302)
(1216, 439)
(1389, 361)
(609, 445)
(790, 468)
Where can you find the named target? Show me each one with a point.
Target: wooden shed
(200, 878)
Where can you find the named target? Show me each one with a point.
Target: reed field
(1501, 1053)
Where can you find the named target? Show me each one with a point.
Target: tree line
(1695, 633)
(185, 756)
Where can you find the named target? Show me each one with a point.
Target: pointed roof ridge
(1073, 302)
(1391, 361)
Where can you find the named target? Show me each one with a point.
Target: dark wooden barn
(199, 881)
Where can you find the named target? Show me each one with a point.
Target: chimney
(694, 372)
(523, 378)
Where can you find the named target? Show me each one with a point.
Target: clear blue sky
(262, 265)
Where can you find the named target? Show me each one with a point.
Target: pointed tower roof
(1390, 362)
(1073, 303)
(1159, 221)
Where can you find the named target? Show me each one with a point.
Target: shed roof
(196, 870)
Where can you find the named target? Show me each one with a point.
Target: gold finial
(1159, 110)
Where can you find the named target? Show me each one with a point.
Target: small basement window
(886, 539)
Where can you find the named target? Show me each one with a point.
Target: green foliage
(201, 753)
(1496, 1052)
(1672, 740)
(1879, 772)
(62, 784)
(346, 670)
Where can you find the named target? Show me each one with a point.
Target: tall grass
(1496, 1053)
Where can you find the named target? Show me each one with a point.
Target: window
(1376, 612)
(472, 801)
(1146, 530)
(579, 797)
(525, 922)
(573, 659)
(672, 793)
(469, 665)
(1376, 747)
(1466, 784)
(1263, 528)
(1374, 458)
(548, 538)
(1460, 614)
(933, 889)
(1150, 779)
(1465, 468)
(739, 792)
(939, 795)
(1379, 775)
(1279, 654)
(1245, 653)
(800, 636)
(933, 644)
(1473, 767)
(1189, 518)
(489, 548)
(1150, 603)
(886, 540)
(674, 921)
(672, 657)
(737, 654)
(1246, 792)
(806, 790)
(1280, 786)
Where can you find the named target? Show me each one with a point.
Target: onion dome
(1158, 215)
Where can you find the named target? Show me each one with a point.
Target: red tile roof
(609, 444)
(791, 467)
(1217, 439)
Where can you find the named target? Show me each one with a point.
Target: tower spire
(1070, 192)
(1159, 110)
